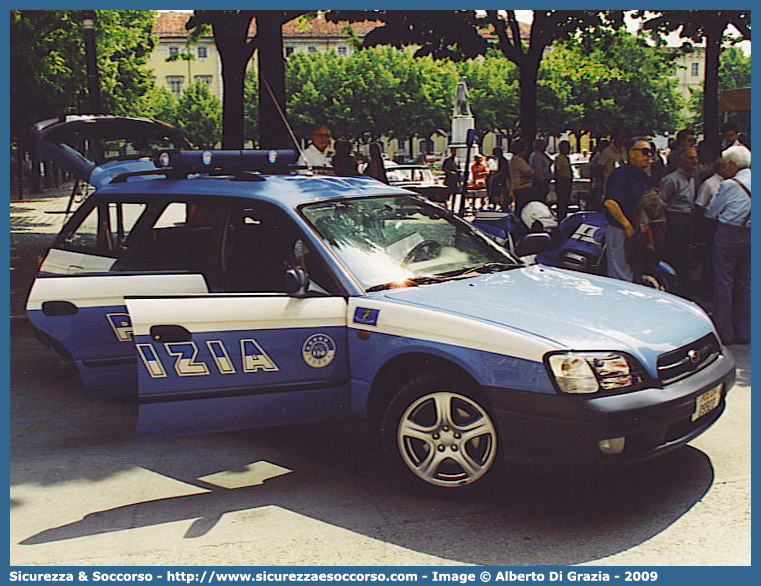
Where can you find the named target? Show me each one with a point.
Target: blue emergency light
(225, 161)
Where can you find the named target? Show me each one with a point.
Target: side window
(180, 239)
(106, 228)
(123, 217)
(175, 214)
(260, 243)
(86, 234)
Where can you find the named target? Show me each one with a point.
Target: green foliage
(48, 73)
(734, 69)
(199, 115)
(734, 73)
(124, 43)
(374, 92)
(493, 91)
(382, 91)
(251, 106)
(606, 80)
(159, 103)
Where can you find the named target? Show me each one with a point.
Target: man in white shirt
(315, 156)
(732, 248)
(542, 165)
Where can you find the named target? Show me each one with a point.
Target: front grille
(684, 361)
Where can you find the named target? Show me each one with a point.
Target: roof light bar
(271, 161)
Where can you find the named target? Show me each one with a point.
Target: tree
(47, 57)
(236, 47)
(464, 34)
(698, 26)
(547, 26)
(48, 77)
(199, 113)
(607, 80)
(734, 73)
(373, 93)
(251, 107)
(160, 103)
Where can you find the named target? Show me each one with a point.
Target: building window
(342, 51)
(312, 49)
(173, 51)
(695, 69)
(174, 83)
(203, 52)
(288, 51)
(204, 78)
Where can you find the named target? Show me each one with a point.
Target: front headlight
(590, 372)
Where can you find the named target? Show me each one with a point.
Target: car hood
(570, 309)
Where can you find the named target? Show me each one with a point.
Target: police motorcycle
(576, 243)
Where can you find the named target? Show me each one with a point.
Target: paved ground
(34, 223)
(84, 492)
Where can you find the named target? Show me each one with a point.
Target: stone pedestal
(460, 127)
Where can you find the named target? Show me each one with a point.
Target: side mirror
(534, 243)
(296, 282)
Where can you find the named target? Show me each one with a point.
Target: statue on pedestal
(461, 100)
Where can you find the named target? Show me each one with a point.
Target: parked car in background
(580, 186)
(420, 179)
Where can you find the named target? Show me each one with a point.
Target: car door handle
(168, 333)
(58, 308)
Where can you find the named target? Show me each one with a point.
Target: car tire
(659, 282)
(440, 435)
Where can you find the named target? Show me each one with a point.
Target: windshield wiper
(488, 268)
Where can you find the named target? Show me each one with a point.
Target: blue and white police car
(224, 292)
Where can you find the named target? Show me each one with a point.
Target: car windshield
(403, 241)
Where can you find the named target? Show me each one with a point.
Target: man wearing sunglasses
(624, 189)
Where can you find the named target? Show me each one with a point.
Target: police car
(224, 292)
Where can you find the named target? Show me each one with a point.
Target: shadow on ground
(527, 518)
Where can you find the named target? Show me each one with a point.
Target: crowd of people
(704, 222)
(691, 208)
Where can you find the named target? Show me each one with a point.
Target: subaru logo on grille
(694, 356)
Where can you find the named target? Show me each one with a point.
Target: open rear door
(84, 317)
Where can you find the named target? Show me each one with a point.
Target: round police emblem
(319, 350)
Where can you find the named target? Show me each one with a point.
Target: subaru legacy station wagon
(223, 291)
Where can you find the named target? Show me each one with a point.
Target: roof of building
(172, 24)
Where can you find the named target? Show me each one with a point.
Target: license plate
(707, 402)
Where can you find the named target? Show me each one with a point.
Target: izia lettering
(183, 359)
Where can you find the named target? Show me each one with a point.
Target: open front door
(225, 361)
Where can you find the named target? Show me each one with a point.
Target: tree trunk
(528, 76)
(273, 128)
(231, 38)
(711, 83)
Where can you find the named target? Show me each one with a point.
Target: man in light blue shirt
(731, 252)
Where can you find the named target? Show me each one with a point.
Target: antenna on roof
(287, 125)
